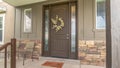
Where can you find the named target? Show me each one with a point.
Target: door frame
(71, 55)
(108, 35)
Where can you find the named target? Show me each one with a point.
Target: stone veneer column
(115, 32)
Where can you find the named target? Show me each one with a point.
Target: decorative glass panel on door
(46, 30)
(73, 28)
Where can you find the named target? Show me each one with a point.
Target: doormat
(53, 64)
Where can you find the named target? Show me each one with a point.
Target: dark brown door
(59, 37)
(60, 30)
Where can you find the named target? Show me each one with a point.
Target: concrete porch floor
(68, 63)
(38, 63)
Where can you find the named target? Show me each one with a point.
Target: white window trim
(95, 26)
(3, 29)
(28, 9)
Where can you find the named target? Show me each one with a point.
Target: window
(2, 21)
(100, 17)
(28, 20)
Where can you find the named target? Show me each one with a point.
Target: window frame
(24, 20)
(95, 26)
(3, 28)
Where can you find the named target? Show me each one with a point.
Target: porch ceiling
(22, 2)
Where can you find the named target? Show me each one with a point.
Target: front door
(58, 30)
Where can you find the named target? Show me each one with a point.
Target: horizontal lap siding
(86, 22)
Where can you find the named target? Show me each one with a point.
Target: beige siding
(9, 22)
(86, 22)
(81, 19)
(17, 24)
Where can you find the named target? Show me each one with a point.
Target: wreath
(55, 23)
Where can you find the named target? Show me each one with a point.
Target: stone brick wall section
(38, 48)
(92, 52)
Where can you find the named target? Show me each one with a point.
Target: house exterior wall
(9, 22)
(89, 38)
(86, 21)
(115, 32)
